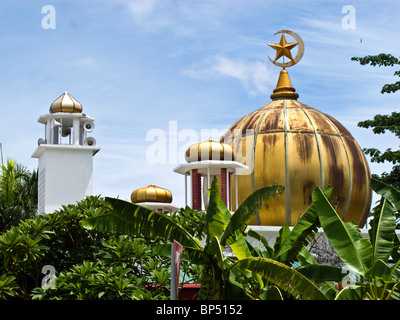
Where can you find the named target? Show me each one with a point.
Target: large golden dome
(291, 144)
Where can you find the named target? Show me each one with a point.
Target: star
(283, 48)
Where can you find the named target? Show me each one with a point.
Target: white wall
(67, 175)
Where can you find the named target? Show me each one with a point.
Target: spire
(284, 89)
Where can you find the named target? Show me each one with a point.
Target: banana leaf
(321, 272)
(283, 276)
(128, 218)
(346, 239)
(301, 233)
(387, 191)
(351, 293)
(382, 231)
(247, 209)
(217, 215)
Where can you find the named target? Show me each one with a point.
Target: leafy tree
(88, 264)
(382, 123)
(385, 60)
(18, 194)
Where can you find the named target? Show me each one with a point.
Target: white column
(185, 190)
(48, 131)
(208, 178)
(191, 185)
(76, 125)
(236, 192)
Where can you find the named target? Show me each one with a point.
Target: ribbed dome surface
(151, 193)
(209, 150)
(66, 103)
(288, 143)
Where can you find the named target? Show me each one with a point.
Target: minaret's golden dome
(66, 103)
(151, 193)
(209, 150)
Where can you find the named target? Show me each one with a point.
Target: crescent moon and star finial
(283, 49)
(284, 88)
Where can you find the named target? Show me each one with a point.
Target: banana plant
(368, 258)
(222, 229)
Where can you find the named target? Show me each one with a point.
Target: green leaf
(305, 257)
(248, 208)
(320, 272)
(382, 231)
(255, 235)
(284, 233)
(218, 215)
(380, 270)
(129, 218)
(351, 293)
(387, 191)
(215, 250)
(304, 230)
(345, 238)
(240, 247)
(272, 293)
(281, 275)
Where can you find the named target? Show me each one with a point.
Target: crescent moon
(300, 50)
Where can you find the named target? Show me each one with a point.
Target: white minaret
(65, 155)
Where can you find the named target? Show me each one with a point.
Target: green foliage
(382, 123)
(221, 277)
(385, 60)
(89, 264)
(7, 286)
(123, 269)
(96, 262)
(18, 194)
(369, 258)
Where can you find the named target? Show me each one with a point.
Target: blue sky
(143, 67)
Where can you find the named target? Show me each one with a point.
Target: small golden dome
(66, 103)
(151, 193)
(209, 150)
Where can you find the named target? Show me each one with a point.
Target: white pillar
(208, 177)
(48, 131)
(236, 191)
(76, 125)
(191, 186)
(185, 190)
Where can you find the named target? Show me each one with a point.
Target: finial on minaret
(283, 49)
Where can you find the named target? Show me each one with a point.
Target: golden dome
(151, 193)
(66, 103)
(291, 144)
(209, 150)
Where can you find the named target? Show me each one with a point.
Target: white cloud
(254, 76)
(141, 8)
